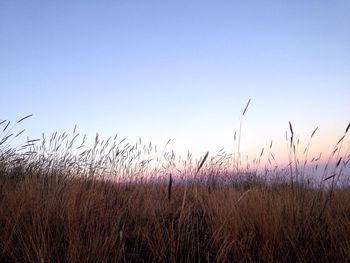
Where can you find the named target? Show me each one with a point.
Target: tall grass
(116, 202)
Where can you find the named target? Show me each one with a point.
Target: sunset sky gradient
(180, 70)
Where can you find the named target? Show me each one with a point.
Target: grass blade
(246, 107)
(202, 162)
(26, 117)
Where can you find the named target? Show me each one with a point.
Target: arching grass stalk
(239, 138)
(306, 151)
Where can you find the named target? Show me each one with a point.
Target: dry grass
(91, 221)
(54, 207)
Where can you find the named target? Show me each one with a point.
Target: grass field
(57, 206)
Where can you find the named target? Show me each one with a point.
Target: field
(56, 205)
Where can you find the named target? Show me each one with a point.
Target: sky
(180, 70)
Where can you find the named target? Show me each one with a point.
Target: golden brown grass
(55, 207)
(76, 220)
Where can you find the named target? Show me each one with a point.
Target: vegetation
(114, 203)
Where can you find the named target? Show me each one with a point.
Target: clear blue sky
(178, 69)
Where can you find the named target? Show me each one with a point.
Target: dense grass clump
(113, 204)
